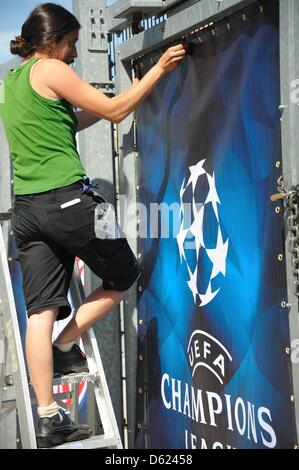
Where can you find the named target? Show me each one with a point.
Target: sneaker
(73, 361)
(58, 429)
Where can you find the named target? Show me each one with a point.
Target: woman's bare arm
(86, 119)
(60, 78)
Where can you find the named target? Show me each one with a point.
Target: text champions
(207, 408)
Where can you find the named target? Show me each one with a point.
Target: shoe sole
(68, 371)
(47, 442)
(58, 375)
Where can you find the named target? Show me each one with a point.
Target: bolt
(140, 357)
(9, 381)
(137, 187)
(287, 350)
(140, 321)
(278, 164)
(139, 425)
(140, 288)
(283, 304)
(140, 390)
(139, 256)
(292, 397)
(277, 210)
(280, 257)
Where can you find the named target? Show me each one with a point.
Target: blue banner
(213, 371)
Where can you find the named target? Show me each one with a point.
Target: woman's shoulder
(51, 65)
(40, 72)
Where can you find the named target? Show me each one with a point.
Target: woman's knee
(44, 315)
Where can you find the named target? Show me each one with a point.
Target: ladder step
(76, 378)
(73, 378)
(94, 442)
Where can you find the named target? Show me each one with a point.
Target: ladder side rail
(95, 365)
(91, 406)
(3, 358)
(101, 391)
(8, 308)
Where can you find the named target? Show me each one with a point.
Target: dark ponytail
(46, 25)
(20, 47)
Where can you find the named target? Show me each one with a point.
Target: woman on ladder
(53, 214)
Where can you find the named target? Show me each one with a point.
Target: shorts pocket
(73, 222)
(113, 258)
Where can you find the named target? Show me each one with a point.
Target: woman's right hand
(171, 58)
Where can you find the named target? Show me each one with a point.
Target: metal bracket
(5, 216)
(105, 87)
(125, 13)
(97, 40)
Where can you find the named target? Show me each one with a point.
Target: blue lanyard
(87, 186)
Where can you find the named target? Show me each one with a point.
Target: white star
(218, 255)
(196, 171)
(213, 196)
(208, 296)
(192, 283)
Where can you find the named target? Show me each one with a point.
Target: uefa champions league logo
(200, 247)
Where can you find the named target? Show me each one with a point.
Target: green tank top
(41, 136)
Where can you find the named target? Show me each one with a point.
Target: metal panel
(178, 24)
(289, 50)
(127, 189)
(96, 151)
(123, 8)
(5, 164)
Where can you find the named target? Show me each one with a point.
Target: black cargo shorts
(52, 228)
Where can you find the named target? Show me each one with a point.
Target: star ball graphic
(201, 240)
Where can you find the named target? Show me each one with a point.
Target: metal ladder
(95, 379)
